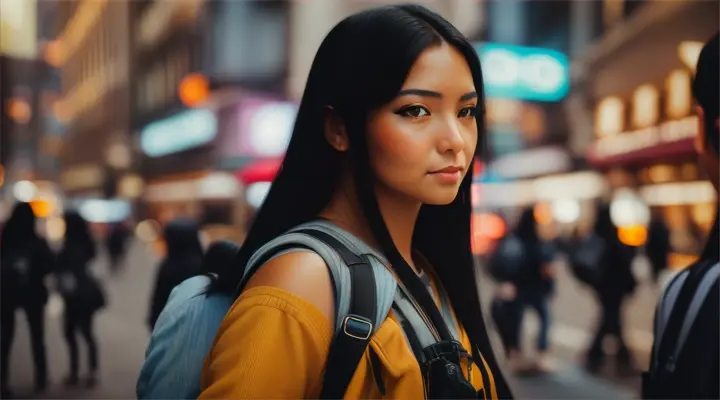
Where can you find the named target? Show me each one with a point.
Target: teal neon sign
(180, 132)
(524, 73)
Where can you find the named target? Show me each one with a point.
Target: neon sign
(524, 73)
(178, 133)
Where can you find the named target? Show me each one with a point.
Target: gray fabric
(409, 313)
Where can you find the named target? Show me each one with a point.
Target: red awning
(641, 156)
(259, 171)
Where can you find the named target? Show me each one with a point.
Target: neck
(399, 214)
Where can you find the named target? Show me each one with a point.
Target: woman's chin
(440, 199)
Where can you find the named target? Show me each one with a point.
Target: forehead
(442, 68)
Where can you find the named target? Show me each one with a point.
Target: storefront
(645, 124)
(256, 132)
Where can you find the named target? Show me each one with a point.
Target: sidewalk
(570, 382)
(120, 332)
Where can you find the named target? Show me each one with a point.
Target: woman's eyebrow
(432, 93)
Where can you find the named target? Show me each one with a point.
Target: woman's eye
(468, 112)
(414, 112)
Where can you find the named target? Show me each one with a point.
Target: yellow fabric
(273, 344)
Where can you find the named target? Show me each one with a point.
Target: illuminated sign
(178, 133)
(525, 73)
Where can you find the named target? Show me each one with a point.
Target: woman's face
(421, 144)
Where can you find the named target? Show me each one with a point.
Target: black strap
(348, 347)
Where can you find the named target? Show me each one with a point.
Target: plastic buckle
(357, 327)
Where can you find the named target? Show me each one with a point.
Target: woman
(81, 293)
(26, 261)
(385, 135)
(185, 331)
(616, 282)
(183, 260)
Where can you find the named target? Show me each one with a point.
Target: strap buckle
(357, 327)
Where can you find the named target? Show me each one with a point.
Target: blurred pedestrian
(658, 245)
(116, 245)
(186, 329)
(82, 294)
(535, 285)
(505, 265)
(26, 260)
(182, 260)
(612, 285)
(685, 361)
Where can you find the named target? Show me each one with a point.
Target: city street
(120, 330)
(122, 337)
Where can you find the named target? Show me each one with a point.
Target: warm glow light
(194, 89)
(19, 110)
(645, 106)
(662, 173)
(485, 228)
(542, 213)
(633, 235)
(42, 208)
(610, 117)
(679, 96)
(53, 53)
(704, 214)
(148, 230)
(689, 52)
(488, 225)
(55, 228)
(2, 175)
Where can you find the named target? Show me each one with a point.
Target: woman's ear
(700, 139)
(335, 131)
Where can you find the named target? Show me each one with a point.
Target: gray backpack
(354, 269)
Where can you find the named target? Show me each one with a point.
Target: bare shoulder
(302, 273)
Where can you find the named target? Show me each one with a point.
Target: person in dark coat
(658, 245)
(615, 284)
(82, 294)
(183, 260)
(26, 260)
(536, 283)
(116, 245)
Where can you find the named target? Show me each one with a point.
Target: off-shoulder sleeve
(272, 344)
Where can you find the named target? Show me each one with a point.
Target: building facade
(638, 91)
(92, 53)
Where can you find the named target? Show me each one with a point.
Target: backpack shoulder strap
(363, 296)
(703, 288)
(358, 325)
(664, 308)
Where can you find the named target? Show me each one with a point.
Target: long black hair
(79, 247)
(526, 228)
(19, 229)
(360, 66)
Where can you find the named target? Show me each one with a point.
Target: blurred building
(526, 70)
(20, 83)
(92, 51)
(209, 101)
(638, 87)
(21, 78)
(310, 22)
